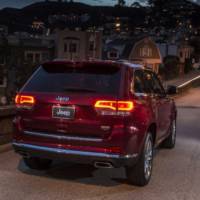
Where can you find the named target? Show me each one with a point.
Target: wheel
(140, 173)
(37, 163)
(170, 141)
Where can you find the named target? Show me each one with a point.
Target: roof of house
(124, 46)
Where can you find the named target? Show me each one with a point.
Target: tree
(157, 3)
(170, 69)
(139, 3)
(165, 13)
(121, 3)
(136, 5)
(188, 66)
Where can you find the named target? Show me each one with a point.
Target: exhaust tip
(103, 165)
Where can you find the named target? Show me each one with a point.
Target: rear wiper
(73, 89)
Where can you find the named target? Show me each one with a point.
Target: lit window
(146, 52)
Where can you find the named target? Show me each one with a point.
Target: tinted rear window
(56, 79)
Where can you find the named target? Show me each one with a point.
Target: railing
(195, 82)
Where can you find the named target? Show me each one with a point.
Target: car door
(163, 105)
(159, 102)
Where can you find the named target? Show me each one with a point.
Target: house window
(113, 55)
(65, 47)
(2, 60)
(29, 57)
(91, 46)
(73, 48)
(45, 56)
(146, 52)
(188, 55)
(1, 76)
(37, 58)
(181, 54)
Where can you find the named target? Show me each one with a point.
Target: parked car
(107, 114)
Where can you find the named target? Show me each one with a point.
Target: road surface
(176, 173)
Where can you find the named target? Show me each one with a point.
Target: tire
(37, 163)
(140, 173)
(170, 141)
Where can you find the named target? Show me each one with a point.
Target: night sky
(22, 3)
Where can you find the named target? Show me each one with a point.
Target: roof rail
(131, 64)
(61, 59)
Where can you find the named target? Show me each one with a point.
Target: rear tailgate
(65, 96)
(48, 116)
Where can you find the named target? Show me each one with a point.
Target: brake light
(24, 100)
(125, 105)
(120, 106)
(106, 104)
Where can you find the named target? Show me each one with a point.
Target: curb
(6, 147)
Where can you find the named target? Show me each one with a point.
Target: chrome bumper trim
(72, 152)
(63, 137)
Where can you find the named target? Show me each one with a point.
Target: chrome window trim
(140, 94)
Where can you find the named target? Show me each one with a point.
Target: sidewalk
(183, 79)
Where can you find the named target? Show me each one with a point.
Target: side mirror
(171, 90)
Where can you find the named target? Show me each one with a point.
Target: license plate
(63, 112)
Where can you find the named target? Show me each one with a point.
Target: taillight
(17, 99)
(125, 106)
(106, 105)
(114, 107)
(24, 101)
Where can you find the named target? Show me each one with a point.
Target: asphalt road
(176, 173)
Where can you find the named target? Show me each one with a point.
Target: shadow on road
(188, 124)
(85, 174)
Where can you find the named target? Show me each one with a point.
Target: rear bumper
(76, 156)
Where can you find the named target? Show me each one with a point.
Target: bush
(188, 66)
(170, 69)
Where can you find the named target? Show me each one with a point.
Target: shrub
(170, 68)
(188, 66)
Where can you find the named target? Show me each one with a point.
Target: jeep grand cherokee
(108, 114)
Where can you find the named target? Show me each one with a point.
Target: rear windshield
(56, 79)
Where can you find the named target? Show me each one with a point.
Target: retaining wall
(6, 129)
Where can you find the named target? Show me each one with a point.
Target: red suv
(104, 113)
